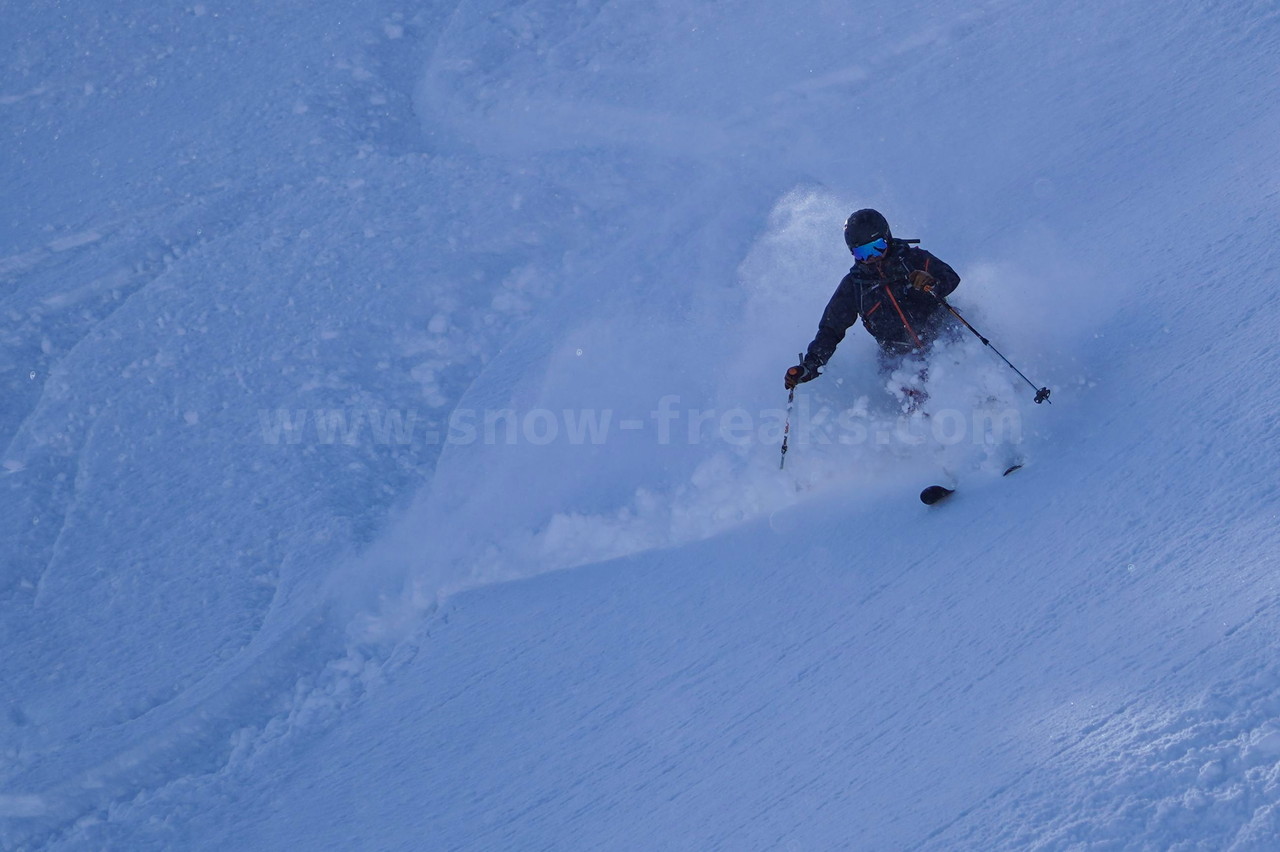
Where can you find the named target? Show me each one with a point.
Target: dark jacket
(898, 316)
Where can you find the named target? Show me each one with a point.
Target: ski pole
(786, 429)
(1042, 394)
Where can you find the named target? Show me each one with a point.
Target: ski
(934, 493)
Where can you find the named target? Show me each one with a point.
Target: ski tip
(934, 493)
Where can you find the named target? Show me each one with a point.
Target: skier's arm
(841, 312)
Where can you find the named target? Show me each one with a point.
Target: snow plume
(696, 450)
(787, 277)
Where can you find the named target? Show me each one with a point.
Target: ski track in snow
(225, 640)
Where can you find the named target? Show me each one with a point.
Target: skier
(895, 288)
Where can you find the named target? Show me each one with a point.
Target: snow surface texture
(254, 260)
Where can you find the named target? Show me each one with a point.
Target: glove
(922, 281)
(799, 374)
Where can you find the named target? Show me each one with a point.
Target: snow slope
(260, 263)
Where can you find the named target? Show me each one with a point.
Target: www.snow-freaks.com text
(666, 423)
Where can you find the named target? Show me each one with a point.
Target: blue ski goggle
(866, 251)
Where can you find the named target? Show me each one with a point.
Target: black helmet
(865, 226)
